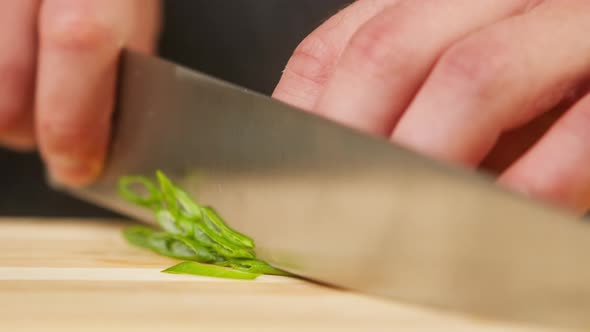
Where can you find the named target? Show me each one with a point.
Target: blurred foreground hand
(58, 63)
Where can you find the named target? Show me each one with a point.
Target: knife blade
(347, 209)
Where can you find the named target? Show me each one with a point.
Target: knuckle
(479, 67)
(379, 45)
(373, 44)
(313, 59)
(76, 31)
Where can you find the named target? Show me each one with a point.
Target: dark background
(247, 42)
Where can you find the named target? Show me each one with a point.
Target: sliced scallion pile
(190, 232)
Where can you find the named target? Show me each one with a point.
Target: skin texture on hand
(472, 83)
(58, 61)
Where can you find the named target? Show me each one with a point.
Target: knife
(343, 208)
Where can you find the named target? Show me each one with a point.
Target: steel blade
(337, 206)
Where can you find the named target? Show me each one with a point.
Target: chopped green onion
(236, 237)
(138, 236)
(192, 233)
(177, 200)
(228, 247)
(188, 208)
(168, 193)
(210, 271)
(167, 221)
(255, 266)
(152, 199)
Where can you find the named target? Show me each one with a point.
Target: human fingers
(498, 79)
(80, 43)
(391, 55)
(18, 49)
(556, 167)
(312, 62)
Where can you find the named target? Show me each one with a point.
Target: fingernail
(71, 172)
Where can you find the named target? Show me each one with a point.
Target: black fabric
(245, 42)
(242, 41)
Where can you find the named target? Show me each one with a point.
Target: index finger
(312, 62)
(80, 42)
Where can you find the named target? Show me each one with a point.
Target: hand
(474, 83)
(57, 76)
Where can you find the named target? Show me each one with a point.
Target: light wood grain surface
(79, 275)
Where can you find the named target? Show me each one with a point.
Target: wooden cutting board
(79, 275)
